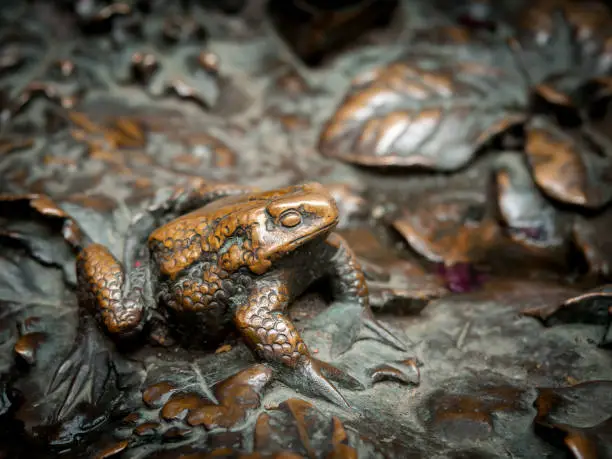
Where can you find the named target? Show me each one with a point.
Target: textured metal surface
(467, 146)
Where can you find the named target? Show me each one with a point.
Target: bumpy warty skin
(350, 279)
(100, 279)
(198, 302)
(265, 327)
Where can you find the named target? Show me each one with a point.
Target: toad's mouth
(308, 237)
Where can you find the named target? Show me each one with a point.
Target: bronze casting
(238, 259)
(211, 210)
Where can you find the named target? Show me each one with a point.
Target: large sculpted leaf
(30, 296)
(428, 110)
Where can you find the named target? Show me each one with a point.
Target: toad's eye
(290, 219)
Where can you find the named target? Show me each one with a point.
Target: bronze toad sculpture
(242, 258)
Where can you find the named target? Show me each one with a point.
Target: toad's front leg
(118, 301)
(349, 284)
(274, 338)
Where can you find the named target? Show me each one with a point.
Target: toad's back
(181, 242)
(203, 232)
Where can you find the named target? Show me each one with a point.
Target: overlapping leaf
(566, 166)
(393, 282)
(449, 227)
(39, 241)
(528, 215)
(592, 236)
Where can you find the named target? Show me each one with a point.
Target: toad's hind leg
(273, 337)
(349, 285)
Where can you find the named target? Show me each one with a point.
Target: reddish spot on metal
(461, 277)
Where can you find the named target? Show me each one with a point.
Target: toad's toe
(384, 335)
(310, 377)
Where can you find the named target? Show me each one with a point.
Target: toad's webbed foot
(274, 338)
(349, 285)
